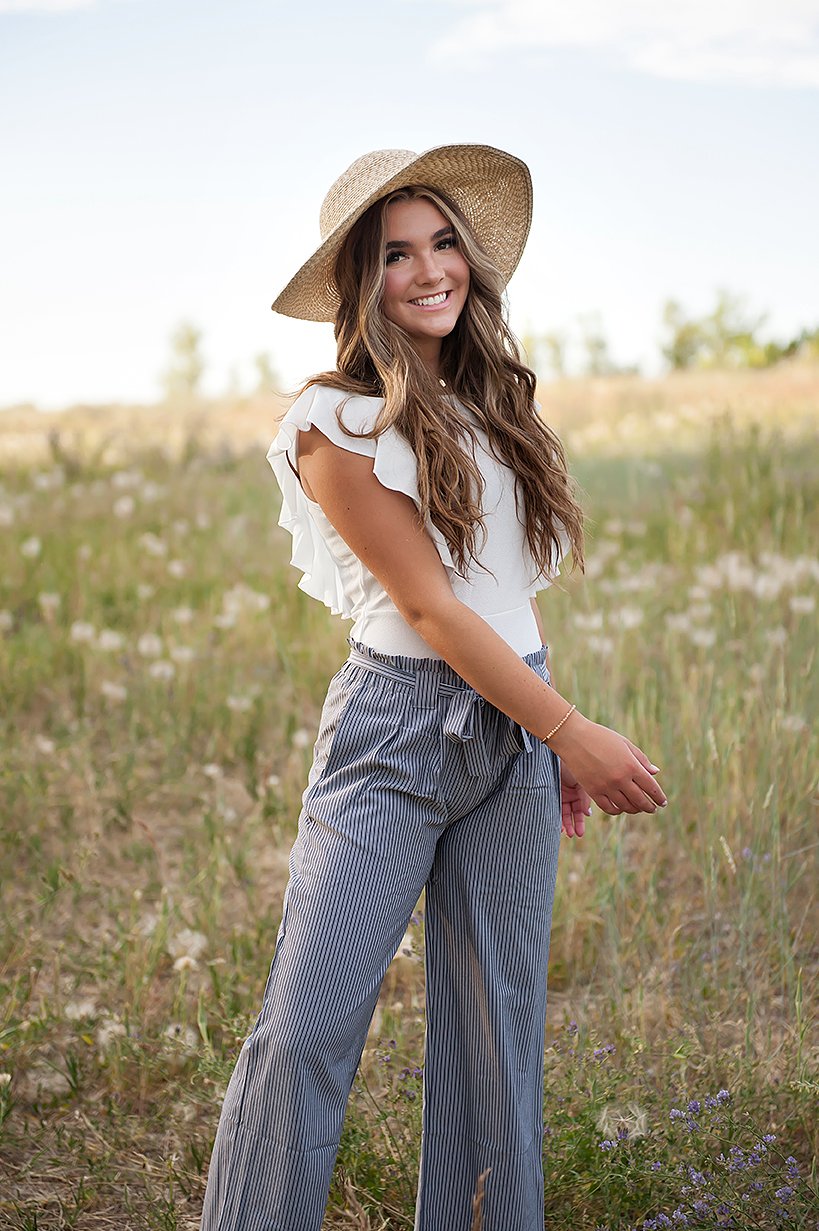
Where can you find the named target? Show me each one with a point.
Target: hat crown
(355, 185)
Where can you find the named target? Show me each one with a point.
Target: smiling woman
(429, 502)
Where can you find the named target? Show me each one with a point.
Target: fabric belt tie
(462, 723)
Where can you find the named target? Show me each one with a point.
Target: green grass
(147, 813)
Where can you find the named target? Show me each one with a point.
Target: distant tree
(598, 360)
(267, 377)
(545, 352)
(725, 337)
(183, 376)
(687, 339)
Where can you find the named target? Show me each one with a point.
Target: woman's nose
(429, 270)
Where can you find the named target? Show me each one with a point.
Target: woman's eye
(392, 257)
(449, 242)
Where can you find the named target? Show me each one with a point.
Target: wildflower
(301, 738)
(793, 1167)
(676, 1114)
(81, 631)
(49, 602)
(184, 1036)
(110, 639)
(680, 1217)
(723, 1096)
(769, 1137)
(149, 645)
(628, 617)
(211, 770)
(272, 781)
(607, 1145)
(6, 515)
(182, 653)
(777, 636)
(177, 568)
(225, 620)
(187, 942)
(113, 691)
(793, 723)
(703, 637)
(109, 1029)
(31, 547)
(239, 705)
(44, 745)
(600, 645)
(802, 604)
(185, 961)
(784, 1194)
(656, 1165)
(182, 615)
(588, 622)
(76, 1010)
(5, 1080)
(6, 620)
(153, 544)
(145, 591)
(162, 669)
(695, 1107)
(124, 506)
(572, 1028)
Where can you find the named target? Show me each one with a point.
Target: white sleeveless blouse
(333, 574)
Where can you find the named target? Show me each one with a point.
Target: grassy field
(161, 681)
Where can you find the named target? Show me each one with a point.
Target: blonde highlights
(482, 367)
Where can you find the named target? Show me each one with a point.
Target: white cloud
(44, 6)
(751, 41)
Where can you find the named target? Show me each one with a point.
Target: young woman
(428, 502)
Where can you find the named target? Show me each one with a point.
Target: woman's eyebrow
(404, 243)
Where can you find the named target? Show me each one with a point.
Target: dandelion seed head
(81, 631)
(124, 507)
(112, 691)
(162, 669)
(110, 640)
(31, 547)
(6, 621)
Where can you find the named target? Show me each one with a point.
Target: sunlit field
(162, 678)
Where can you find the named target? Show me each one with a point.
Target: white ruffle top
(332, 572)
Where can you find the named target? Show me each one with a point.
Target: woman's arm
(383, 529)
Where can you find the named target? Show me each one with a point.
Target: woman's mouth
(431, 301)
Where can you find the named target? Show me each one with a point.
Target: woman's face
(427, 278)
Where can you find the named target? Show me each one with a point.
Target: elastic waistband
(404, 667)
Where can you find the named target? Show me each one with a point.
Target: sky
(165, 161)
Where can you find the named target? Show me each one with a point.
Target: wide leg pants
(417, 783)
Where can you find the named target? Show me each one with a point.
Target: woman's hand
(575, 804)
(612, 770)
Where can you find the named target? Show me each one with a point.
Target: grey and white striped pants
(417, 782)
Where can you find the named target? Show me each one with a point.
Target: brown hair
(482, 366)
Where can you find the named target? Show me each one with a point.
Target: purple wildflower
(608, 1145)
(656, 1165)
(723, 1096)
(769, 1137)
(680, 1217)
(676, 1114)
(783, 1194)
(695, 1107)
(793, 1167)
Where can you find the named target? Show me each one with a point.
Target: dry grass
(161, 681)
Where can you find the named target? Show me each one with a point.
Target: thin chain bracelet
(554, 730)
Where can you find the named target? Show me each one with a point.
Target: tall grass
(161, 678)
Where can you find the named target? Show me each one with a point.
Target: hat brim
(491, 187)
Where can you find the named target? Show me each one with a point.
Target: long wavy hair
(482, 366)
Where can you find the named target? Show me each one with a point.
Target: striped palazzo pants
(417, 783)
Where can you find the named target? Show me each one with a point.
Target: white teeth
(431, 299)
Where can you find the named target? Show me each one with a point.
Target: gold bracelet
(559, 725)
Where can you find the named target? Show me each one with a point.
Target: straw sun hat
(492, 188)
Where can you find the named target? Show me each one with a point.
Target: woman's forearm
(497, 672)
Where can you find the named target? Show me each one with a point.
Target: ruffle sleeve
(394, 466)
